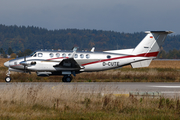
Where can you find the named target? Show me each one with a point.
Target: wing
(69, 64)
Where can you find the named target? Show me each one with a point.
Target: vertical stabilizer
(151, 44)
(149, 47)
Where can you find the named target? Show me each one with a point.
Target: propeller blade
(25, 61)
(24, 68)
(24, 57)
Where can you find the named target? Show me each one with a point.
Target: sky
(127, 16)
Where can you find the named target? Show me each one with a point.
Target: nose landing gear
(8, 78)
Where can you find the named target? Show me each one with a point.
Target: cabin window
(76, 56)
(40, 54)
(82, 56)
(108, 56)
(51, 55)
(63, 55)
(57, 55)
(87, 56)
(69, 55)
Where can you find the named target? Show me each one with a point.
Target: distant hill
(20, 38)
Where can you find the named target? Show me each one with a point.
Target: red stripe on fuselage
(153, 54)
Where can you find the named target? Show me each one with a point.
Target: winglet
(74, 51)
(93, 48)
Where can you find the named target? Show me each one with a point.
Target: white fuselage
(90, 61)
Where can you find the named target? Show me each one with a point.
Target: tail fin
(150, 45)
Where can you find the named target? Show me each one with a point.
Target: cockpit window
(32, 54)
(40, 54)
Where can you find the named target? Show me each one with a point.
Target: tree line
(21, 38)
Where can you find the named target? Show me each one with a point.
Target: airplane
(68, 63)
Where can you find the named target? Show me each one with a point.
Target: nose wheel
(8, 78)
(67, 78)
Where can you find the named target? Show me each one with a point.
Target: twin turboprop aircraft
(67, 63)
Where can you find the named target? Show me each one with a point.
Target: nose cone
(6, 64)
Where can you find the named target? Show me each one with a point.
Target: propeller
(26, 64)
(24, 61)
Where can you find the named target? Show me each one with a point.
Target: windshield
(32, 53)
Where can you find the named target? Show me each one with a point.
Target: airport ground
(158, 71)
(84, 100)
(27, 98)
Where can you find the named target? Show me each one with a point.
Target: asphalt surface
(166, 89)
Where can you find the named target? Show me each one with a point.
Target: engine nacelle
(27, 63)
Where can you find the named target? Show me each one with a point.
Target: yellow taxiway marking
(53, 88)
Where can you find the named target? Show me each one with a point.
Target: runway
(166, 89)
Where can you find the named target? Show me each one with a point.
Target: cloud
(116, 15)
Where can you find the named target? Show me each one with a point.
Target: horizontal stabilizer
(140, 64)
(165, 32)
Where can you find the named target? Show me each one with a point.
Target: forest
(22, 39)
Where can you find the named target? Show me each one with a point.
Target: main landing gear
(8, 78)
(67, 78)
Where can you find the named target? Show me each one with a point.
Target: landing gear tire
(63, 79)
(8, 79)
(67, 78)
